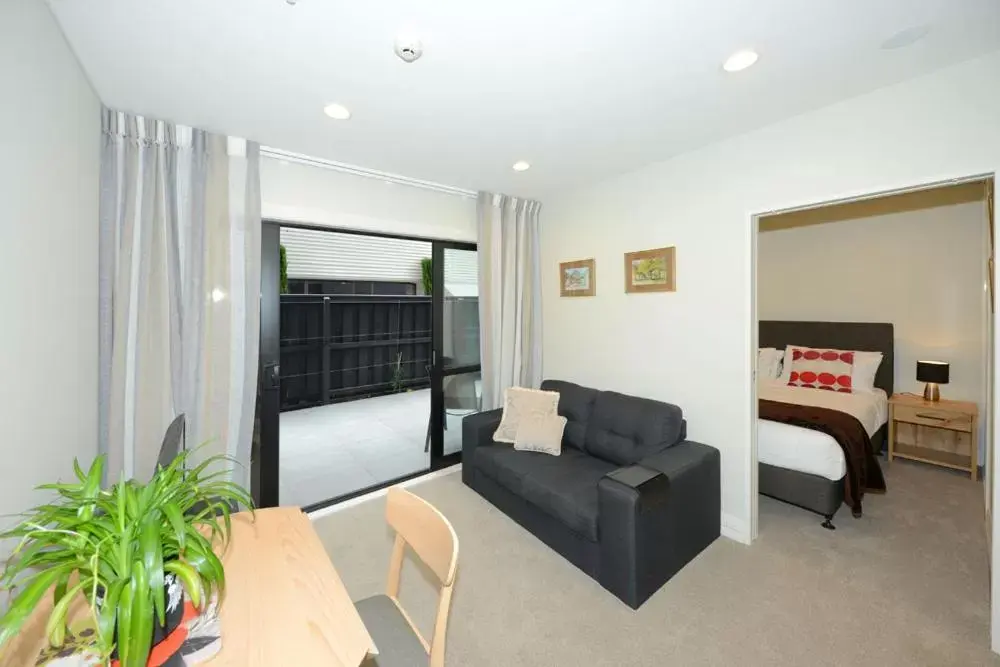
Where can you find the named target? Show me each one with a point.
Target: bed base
(811, 492)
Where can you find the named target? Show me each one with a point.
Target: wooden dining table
(284, 602)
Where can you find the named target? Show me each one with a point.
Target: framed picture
(651, 270)
(577, 278)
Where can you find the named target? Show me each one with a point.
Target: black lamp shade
(932, 371)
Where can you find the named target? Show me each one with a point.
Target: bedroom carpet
(907, 584)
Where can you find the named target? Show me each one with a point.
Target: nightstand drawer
(936, 417)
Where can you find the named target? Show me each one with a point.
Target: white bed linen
(806, 450)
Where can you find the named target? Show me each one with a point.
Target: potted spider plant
(122, 549)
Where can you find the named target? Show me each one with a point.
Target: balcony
(332, 450)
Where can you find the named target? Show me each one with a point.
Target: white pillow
(541, 434)
(862, 372)
(519, 404)
(865, 367)
(769, 363)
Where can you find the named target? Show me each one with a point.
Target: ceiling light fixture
(906, 37)
(337, 111)
(740, 60)
(521, 165)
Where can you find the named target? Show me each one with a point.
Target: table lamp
(933, 373)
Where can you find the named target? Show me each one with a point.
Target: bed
(805, 467)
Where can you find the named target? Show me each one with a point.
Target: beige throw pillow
(520, 404)
(541, 434)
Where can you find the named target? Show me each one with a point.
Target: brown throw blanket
(863, 471)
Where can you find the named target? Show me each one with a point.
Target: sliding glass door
(456, 378)
(369, 361)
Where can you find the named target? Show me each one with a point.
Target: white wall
(922, 270)
(693, 347)
(49, 163)
(302, 193)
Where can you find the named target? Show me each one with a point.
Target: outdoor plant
(283, 269)
(398, 374)
(427, 275)
(116, 546)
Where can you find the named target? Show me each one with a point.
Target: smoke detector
(408, 48)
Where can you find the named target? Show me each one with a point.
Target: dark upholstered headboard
(864, 336)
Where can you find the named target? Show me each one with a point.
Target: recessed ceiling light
(337, 111)
(740, 60)
(906, 37)
(521, 165)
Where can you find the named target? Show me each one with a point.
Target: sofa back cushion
(624, 429)
(575, 404)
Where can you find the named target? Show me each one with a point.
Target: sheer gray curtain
(179, 291)
(510, 306)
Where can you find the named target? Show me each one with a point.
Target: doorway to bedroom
(865, 295)
(891, 281)
(861, 307)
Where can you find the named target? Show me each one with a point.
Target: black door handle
(272, 375)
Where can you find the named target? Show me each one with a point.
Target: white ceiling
(582, 89)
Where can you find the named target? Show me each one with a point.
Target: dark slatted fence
(338, 347)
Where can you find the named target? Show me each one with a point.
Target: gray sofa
(629, 501)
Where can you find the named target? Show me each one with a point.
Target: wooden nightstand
(944, 433)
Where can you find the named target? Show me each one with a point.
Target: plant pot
(173, 595)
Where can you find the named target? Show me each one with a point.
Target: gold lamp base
(931, 392)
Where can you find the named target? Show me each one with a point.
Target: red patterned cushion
(821, 369)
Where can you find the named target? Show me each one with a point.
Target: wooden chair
(419, 525)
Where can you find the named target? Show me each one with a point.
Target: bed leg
(828, 524)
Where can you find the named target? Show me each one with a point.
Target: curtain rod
(267, 151)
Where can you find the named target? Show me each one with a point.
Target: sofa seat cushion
(575, 404)
(564, 487)
(625, 429)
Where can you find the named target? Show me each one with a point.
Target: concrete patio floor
(332, 450)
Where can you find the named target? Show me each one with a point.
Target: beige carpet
(905, 585)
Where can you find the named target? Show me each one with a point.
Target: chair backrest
(460, 392)
(431, 537)
(173, 442)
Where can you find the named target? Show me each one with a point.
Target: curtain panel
(179, 291)
(510, 305)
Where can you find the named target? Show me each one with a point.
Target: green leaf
(152, 558)
(55, 628)
(131, 501)
(78, 471)
(91, 488)
(125, 623)
(203, 559)
(60, 588)
(119, 492)
(109, 612)
(27, 599)
(189, 578)
(140, 635)
(176, 519)
(22, 559)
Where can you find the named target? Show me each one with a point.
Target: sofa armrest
(681, 459)
(477, 429)
(655, 517)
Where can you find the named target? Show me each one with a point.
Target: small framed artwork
(651, 270)
(577, 278)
